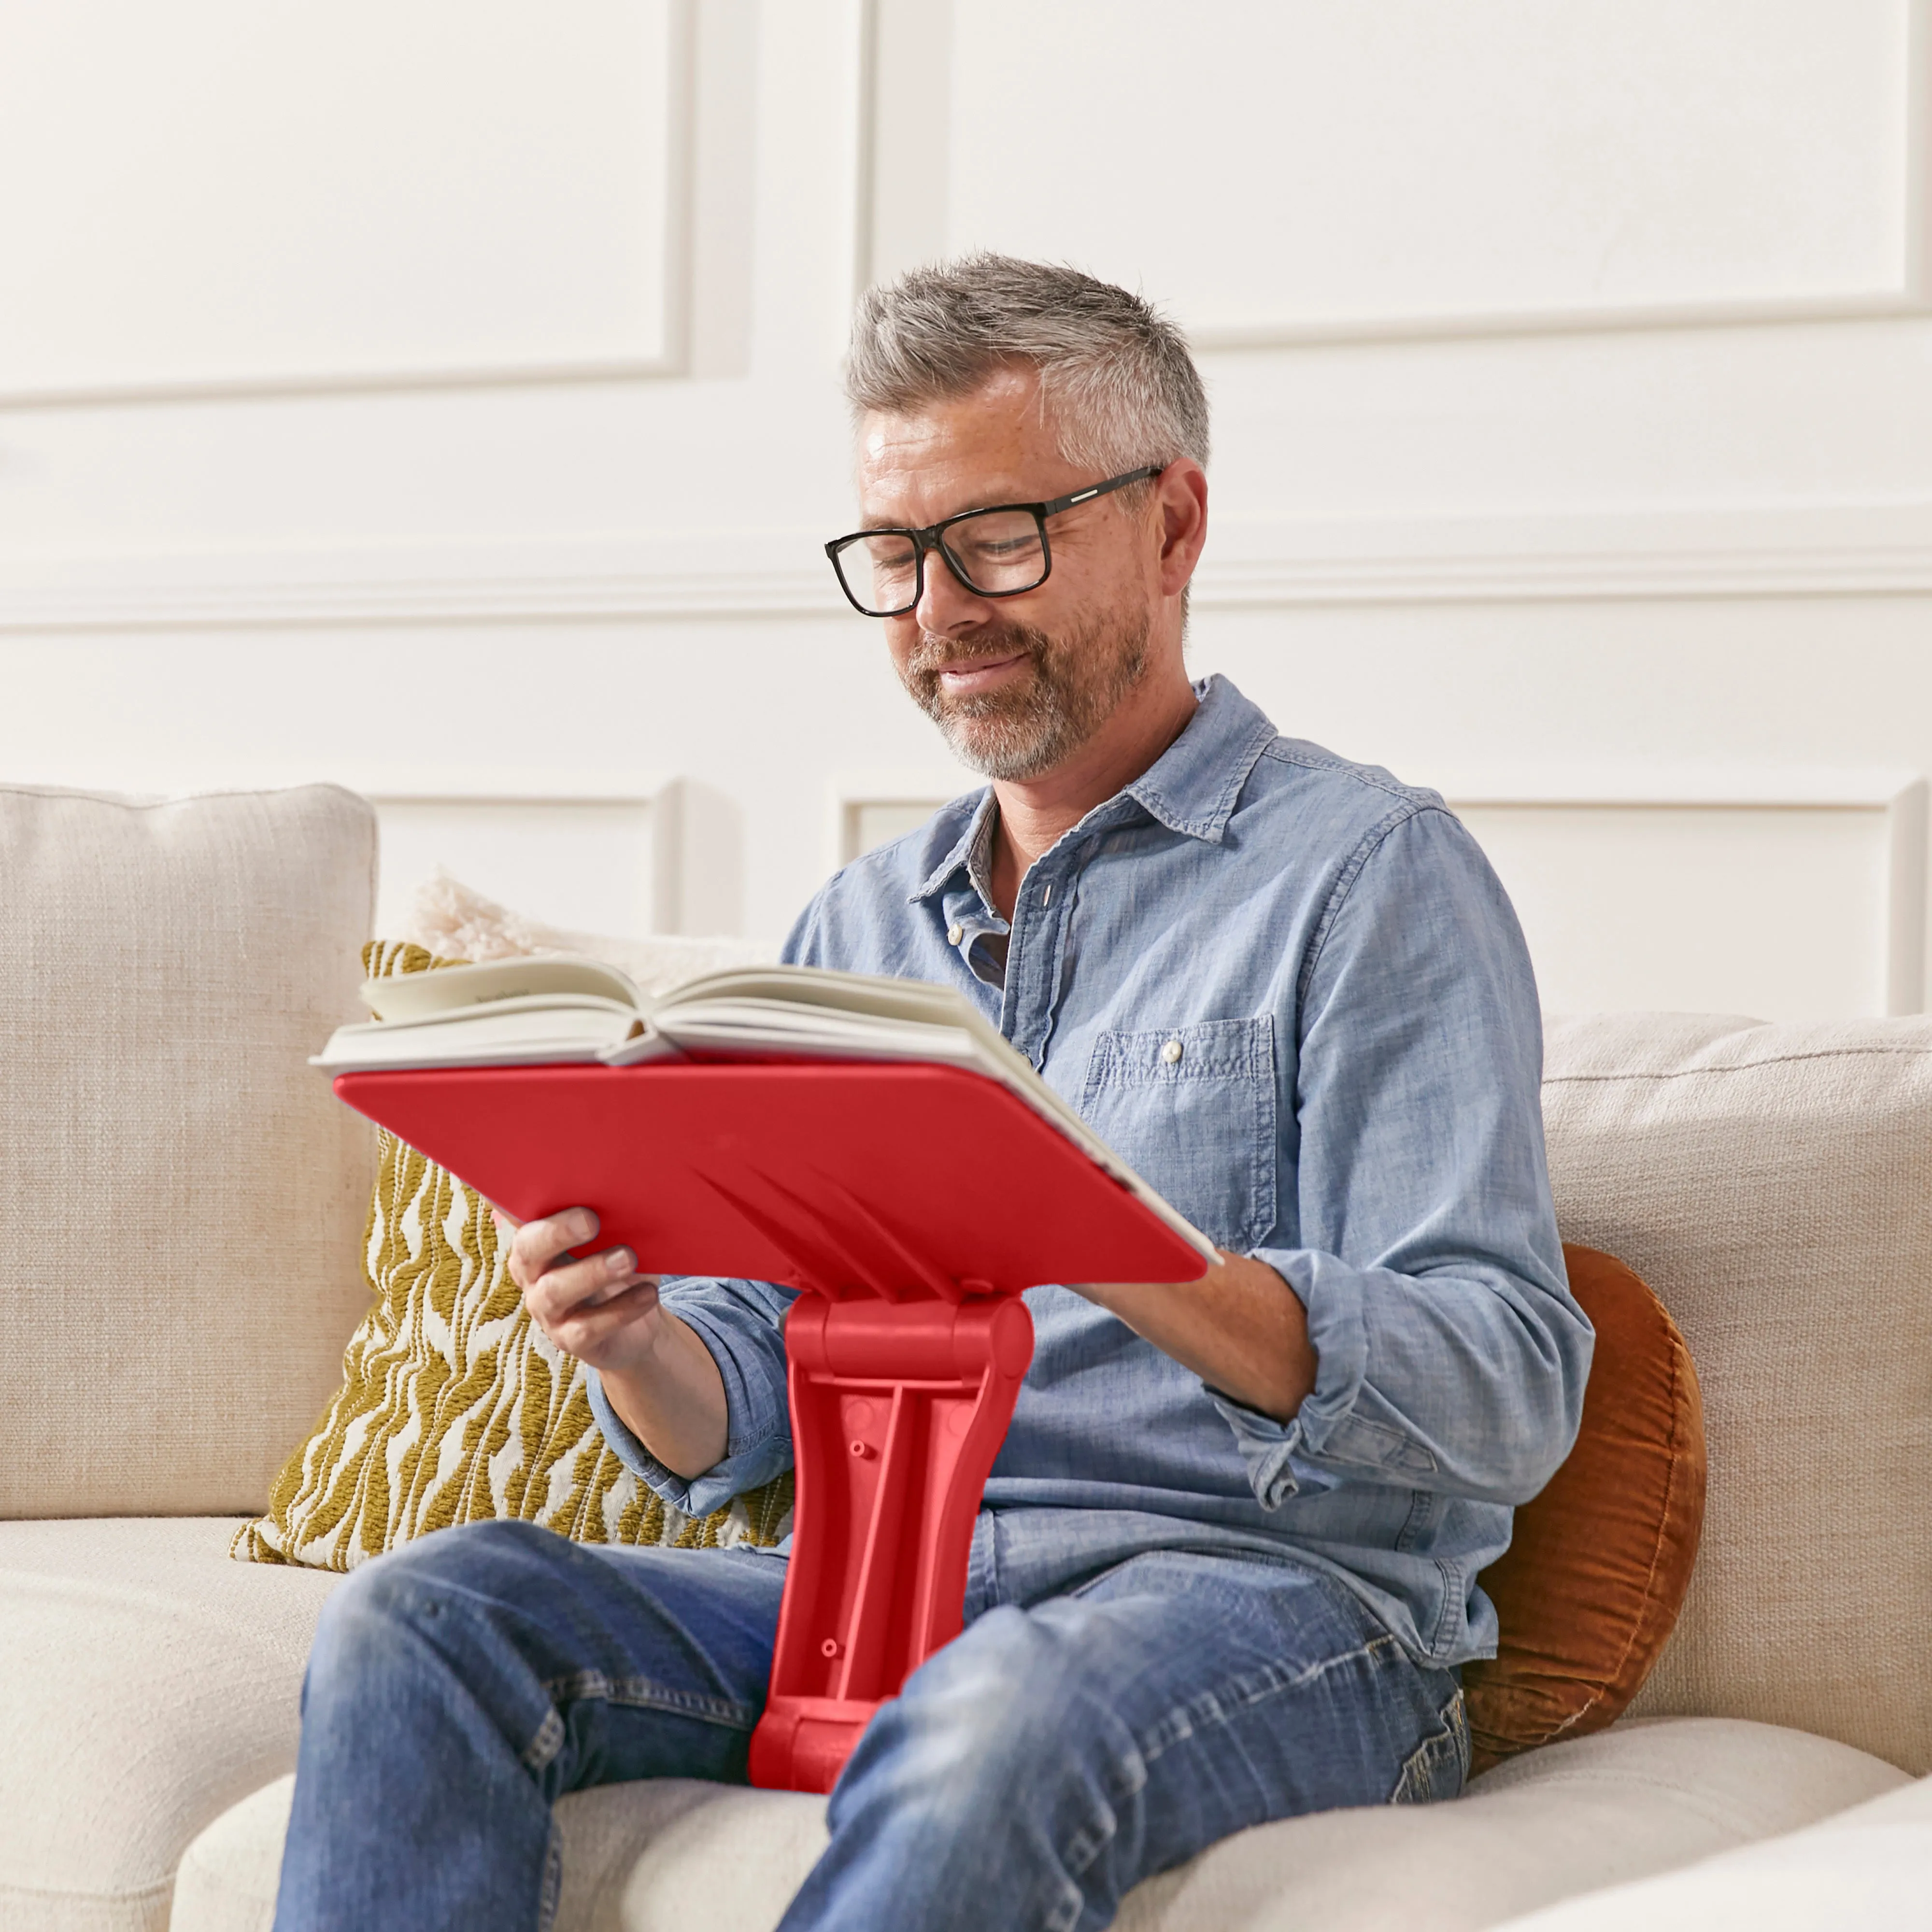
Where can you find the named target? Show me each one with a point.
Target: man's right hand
(600, 1309)
(658, 1374)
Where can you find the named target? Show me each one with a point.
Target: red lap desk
(912, 1203)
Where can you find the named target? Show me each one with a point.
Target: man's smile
(964, 676)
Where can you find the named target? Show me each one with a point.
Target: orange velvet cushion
(1590, 1585)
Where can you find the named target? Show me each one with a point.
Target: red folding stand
(898, 1409)
(865, 1186)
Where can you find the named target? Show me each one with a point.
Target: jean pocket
(1438, 1766)
(1192, 1110)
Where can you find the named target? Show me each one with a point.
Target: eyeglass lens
(998, 551)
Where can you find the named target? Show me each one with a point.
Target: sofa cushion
(670, 1854)
(1597, 1564)
(1571, 1817)
(177, 1228)
(146, 1684)
(454, 1407)
(1774, 1185)
(1870, 1866)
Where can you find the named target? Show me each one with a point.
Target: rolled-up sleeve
(1451, 1355)
(741, 1323)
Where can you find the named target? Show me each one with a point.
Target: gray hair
(1116, 379)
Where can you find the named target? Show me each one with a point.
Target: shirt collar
(978, 826)
(1192, 787)
(979, 856)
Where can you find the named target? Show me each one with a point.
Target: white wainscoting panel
(877, 821)
(1803, 900)
(1288, 171)
(587, 865)
(217, 194)
(1786, 907)
(583, 855)
(870, 809)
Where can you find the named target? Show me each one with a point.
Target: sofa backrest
(1774, 1185)
(184, 1198)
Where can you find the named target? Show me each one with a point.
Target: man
(1227, 1567)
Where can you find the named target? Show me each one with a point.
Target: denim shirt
(1355, 1101)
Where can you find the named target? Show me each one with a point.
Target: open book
(545, 1012)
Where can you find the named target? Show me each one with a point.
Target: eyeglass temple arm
(1106, 489)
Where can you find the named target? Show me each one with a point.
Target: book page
(509, 1033)
(867, 1000)
(763, 1027)
(916, 999)
(411, 996)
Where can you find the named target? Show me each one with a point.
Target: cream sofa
(181, 1223)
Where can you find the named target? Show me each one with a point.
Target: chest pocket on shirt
(1192, 1110)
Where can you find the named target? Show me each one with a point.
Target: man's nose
(946, 607)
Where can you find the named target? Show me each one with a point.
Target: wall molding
(481, 583)
(1909, 298)
(1820, 550)
(847, 793)
(905, 60)
(1900, 803)
(696, 834)
(1785, 311)
(685, 26)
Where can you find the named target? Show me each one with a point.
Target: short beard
(1024, 729)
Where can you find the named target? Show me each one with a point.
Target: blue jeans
(1046, 1760)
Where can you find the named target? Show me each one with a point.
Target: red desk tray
(912, 1202)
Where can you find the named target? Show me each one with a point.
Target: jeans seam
(641, 1693)
(547, 1742)
(1455, 1715)
(1453, 1597)
(1420, 1506)
(1420, 1763)
(1242, 1694)
(1212, 1708)
(552, 1893)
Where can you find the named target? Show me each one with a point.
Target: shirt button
(1172, 1052)
(954, 934)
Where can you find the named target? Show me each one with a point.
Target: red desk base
(898, 1410)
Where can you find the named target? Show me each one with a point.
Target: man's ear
(1181, 490)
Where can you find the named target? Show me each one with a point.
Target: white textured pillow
(184, 1195)
(456, 921)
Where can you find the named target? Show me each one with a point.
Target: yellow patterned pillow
(454, 1408)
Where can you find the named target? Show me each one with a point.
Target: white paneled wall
(443, 399)
(293, 197)
(586, 865)
(1410, 168)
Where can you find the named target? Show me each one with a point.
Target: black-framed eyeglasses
(999, 552)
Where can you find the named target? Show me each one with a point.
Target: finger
(620, 1285)
(537, 1243)
(622, 1306)
(585, 1331)
(581, 1284)
(506, 1225)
